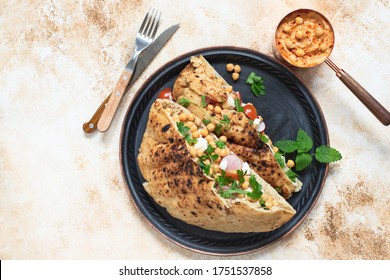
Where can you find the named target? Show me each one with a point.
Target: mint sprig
(302, 146)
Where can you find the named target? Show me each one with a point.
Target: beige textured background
(61, 192)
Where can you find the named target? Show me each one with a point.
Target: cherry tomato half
(166, 93)
(231, 174)
(250, 111)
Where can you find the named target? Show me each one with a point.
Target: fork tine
(156, 26)
(146, 18)
(149, 23)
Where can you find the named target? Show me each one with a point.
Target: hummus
(304, 38)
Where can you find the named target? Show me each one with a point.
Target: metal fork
(144, 38)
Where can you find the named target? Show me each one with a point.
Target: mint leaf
(287, 146)
(326, 154)
(304, 142)
(302, 161)
(279, 158)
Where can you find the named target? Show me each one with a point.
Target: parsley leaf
(263, 138)
(256, 83)
(204, 104)
(237, 103)
(206, 121)
(327, 154)
(184, 102)
(183, 129)
(220, 144)
(256, 187)
(291, 175)
(279, 158)
(225, 121)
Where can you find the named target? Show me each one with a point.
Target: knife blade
(146, 57)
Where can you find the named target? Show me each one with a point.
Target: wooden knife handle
(367, 99)
(90, 126)
(113, 103)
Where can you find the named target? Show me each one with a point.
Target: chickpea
(224, 152)
(191, 117)
(235, 76)
(193, 151)
(245, 185)
(323, 47)
(195, 134)
(212, 144)
(193, 128)
(300, 52)
(223, 138)
(189, 124)
(216, 168)
(217, 109)
(209, 138)
(269, 204)
(298, 20)
(198, 121)
(319, 32)
(237, 68)
(275, 149)
(183, 117)
(288, 44)
(290, 163)
(286, 29)
(299, 35)
(229, 89)
(229, 67)
(210, 107)
(199, 153)
(204, 132)
(211, 127)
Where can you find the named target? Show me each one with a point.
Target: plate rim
(152, 77)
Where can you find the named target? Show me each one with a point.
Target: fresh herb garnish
(184, 102)
(302, 145)
(206, 121)
(225, 121)
(256, 83)
(256, 187)
(263, 138)
(279, 158)
(218, 129)
(185, 131)
(220, 144)
(237, 103)
(204, 104)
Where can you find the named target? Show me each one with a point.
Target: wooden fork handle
(367, 99)
(113, 103)
(90, 126)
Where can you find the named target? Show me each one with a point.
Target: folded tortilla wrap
(175, 180)
(198, 81)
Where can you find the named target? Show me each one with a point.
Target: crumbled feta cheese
(201, 144)
(246, 168)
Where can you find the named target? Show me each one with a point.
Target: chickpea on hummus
(304, 38)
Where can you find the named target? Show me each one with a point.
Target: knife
(146, 57)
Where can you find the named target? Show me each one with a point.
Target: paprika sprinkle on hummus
(304, 38)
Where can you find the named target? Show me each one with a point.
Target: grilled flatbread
(199, 84)
(187, 180)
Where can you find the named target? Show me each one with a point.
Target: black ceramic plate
(287, 106)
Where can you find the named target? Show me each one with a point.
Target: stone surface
(62, 195)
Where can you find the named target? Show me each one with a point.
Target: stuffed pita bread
(207, 95)
(188, 171)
